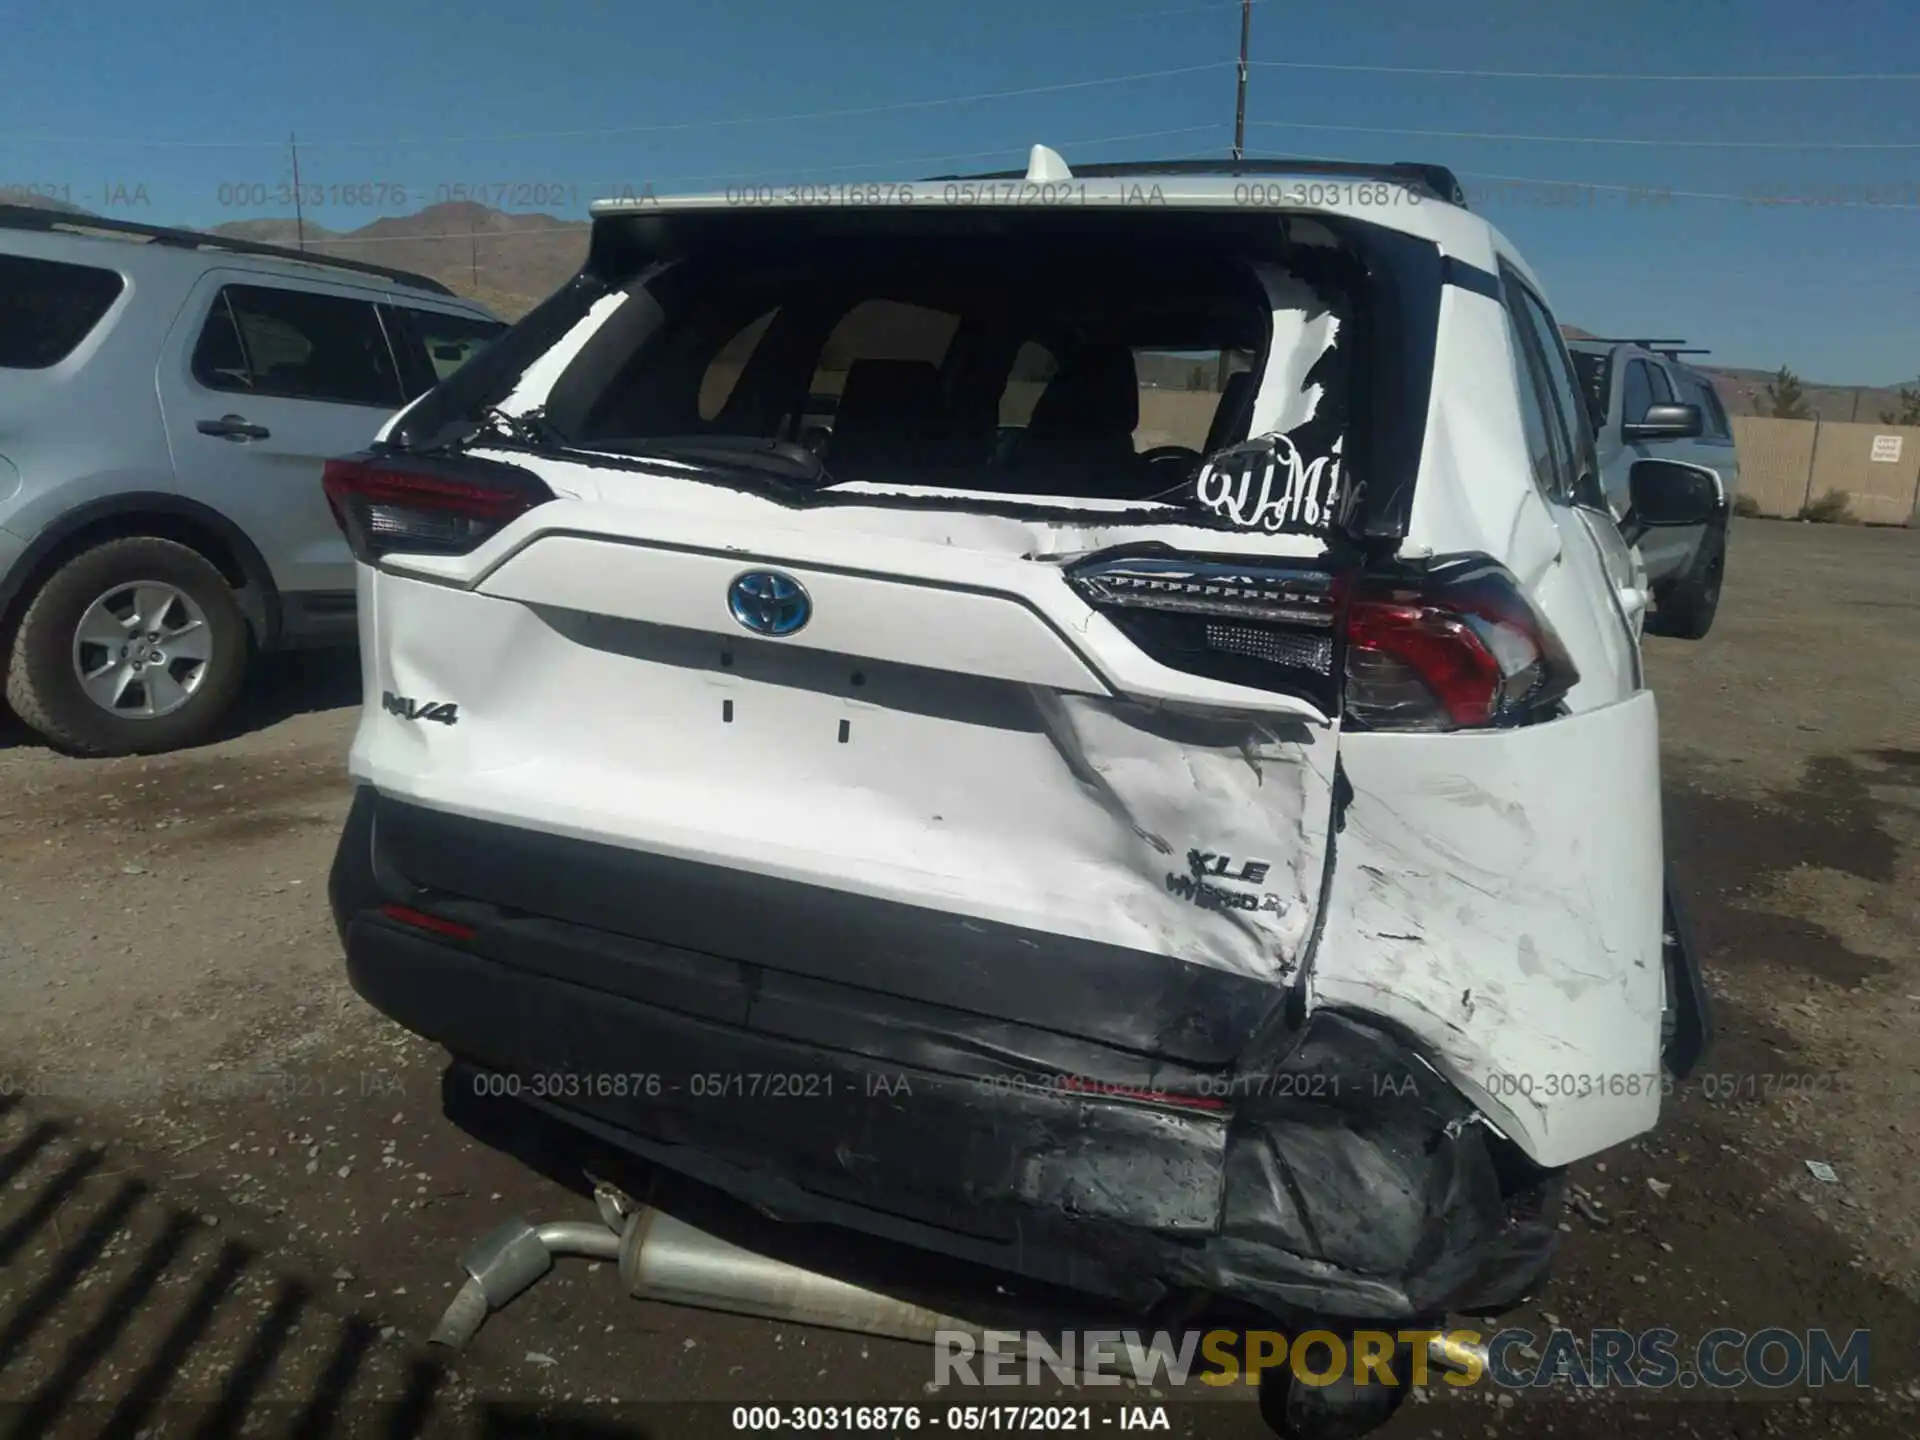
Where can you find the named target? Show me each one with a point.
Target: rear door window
(47, 307)
(299, 345)
(1700, 392)
(1662, 386)
(1636, 392)
(439, 342)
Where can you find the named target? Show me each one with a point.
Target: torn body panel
(1347, 1180)
(1499, 897)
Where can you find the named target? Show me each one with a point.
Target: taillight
(1270, 627)
(387, 505)
(1453, 645)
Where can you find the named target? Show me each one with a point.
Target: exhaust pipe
(507, 1262)
(665, 1259)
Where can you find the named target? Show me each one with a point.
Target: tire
(163, 704)
(1685, 609)
(1343, 1410)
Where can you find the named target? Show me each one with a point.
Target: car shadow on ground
(122, 1314)
(297, 682)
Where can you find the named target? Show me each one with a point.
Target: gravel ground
(227, 1193)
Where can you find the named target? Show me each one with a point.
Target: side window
(47, 307)
(1662, 387)
(1637, 392)
(1033, 366)
(1700, 391)
(1546, 446)
(1180, 393)
(723, 371)
(219, 362)
(299, 345)
(451, 340)
(882, 330)
(1563, 385)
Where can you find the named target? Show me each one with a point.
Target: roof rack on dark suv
(1671, 349)
(31, 217)
(1437, 180)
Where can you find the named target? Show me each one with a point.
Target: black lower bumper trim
(1348, 1182)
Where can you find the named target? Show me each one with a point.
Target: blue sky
(178, 112)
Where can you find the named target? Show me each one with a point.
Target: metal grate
(1277, 647)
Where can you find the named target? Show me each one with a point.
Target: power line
(1578, 74)
(574, 226)
(1660, 143)
(663, 128)
(1643, 190)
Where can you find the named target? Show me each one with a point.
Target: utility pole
(473, 256)
(1240, 101)
(299, 215)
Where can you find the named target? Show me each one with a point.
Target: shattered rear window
(1013, 364)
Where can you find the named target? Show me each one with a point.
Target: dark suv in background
(1647, 404)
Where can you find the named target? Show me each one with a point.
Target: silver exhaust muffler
(667, 1260)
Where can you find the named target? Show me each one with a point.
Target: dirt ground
(228, 1196)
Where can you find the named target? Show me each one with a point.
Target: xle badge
(443, 711)
(1193, 886)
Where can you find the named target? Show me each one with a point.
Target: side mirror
(1665, 493)
(1666, 422)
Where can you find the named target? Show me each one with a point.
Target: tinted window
(47, 308)
(1546, 450)
(1033, 367)
(723, 373)
(1595, 376)
(451, 340)
(297, 344)
(1563, 391)
(882, 330)
(1699, 391)
(946, 359)
(1662, 389)
(1637, 393)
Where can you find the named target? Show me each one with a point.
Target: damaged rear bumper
(1345, 1180)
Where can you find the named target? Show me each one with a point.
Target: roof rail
(32, 217)
(1436, 180)
(1671, 349)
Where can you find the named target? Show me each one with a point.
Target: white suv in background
(167, 399)
(1227, 865)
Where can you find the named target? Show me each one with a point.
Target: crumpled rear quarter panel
(1498, 895)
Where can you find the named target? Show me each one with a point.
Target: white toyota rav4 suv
(1087, 722)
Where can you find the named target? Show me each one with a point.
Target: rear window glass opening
(1011, 363)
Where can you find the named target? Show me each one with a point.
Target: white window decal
(1266, 484)
(1288, 478)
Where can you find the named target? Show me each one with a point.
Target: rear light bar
(425, 506)
(1453, 645)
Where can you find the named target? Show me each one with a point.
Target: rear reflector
(420, 920)
(425, 506)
